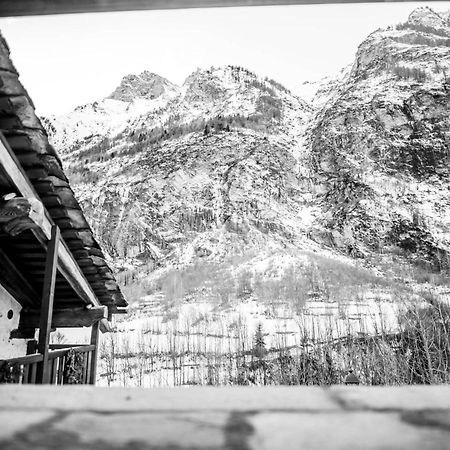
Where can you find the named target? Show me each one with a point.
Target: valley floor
(252, 343)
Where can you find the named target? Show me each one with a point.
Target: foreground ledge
(85, 417)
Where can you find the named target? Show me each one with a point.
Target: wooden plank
(88, 367)
(15, 283)
(61, 364)
(115, 310)
(67, 264)
(33, 7)
(95, 337)
(28, 359)
(38, 255)
(65, 318)
(33, 263)
(48, 296)
(85, 366)
(54, 367)
(26, 373)
(105, 326)
(62, 346)
(33, 373)
(63, 351)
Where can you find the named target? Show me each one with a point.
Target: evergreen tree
(259, 349)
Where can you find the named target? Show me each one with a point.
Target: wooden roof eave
(67, 264)
(10, 8)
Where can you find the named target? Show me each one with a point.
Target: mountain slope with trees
(281, 199)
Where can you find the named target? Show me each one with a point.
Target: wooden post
(48, 294)
(95, 334)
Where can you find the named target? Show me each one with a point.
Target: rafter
(15, 283)
(65, 318)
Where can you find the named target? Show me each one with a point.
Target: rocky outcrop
(380, 150)
(146, 85)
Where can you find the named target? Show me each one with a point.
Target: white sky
(68, 60)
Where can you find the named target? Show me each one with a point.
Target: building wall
(9, 320)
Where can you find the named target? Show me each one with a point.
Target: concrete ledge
(85, 417)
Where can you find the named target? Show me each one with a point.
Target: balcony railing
(66, 365)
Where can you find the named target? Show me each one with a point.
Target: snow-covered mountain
(318, 92)
(231, 188)
(135, 96)
(146, 86)
(380, 149)
(216, 154)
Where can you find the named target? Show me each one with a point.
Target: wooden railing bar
(66, 346)
(63, 351)
(84, 367)
(37, 357)
(62, 363)
(28, 359)
(88, 366)
(57, 353)
(56, 364)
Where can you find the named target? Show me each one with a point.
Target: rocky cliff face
(380, 150)
(235, 173)
(147, 86)
(207, 176)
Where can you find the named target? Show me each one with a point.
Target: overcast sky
(68, 60)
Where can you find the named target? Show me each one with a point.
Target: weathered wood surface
(232, 418)
(65, 318)
(15, 283)
(31, 160)
(95, 337)
(18, 214)
(38, 7)
(55, 362)
(67, 264)
(48, 297)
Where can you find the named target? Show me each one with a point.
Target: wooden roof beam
(67, 264)
(39, 7)
(65, 318)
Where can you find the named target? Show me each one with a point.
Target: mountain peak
(224, 74)
(215, 81)
(426, 17)
(147, 85)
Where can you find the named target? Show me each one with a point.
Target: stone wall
(232, 418)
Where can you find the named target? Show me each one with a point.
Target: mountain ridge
(235, 166)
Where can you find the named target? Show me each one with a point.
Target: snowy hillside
(233, 194)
